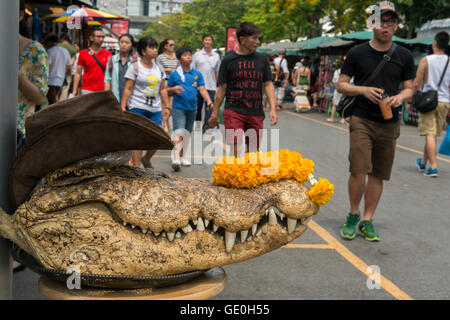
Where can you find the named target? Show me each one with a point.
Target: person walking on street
(93, 60)
(314, 87)
(33, 76)
(274, 68)
(186, 84)
(336, 95)
(243, 77)
(145, 91)
(372, 137)
(430, 71)
(64, 41)
(167, 58)
(283, 78)
(207, 62)
(118, 65)
(60, 63)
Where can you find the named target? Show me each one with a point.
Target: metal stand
(9, 52)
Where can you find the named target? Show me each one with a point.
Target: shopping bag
(445, 144)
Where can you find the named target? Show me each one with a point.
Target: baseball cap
(386, 6)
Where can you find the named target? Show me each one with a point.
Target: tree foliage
(284, 19)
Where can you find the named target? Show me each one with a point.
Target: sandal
(146, 164)
(19, 268)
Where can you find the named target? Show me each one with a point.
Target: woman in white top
(167, 58)
(145, 92)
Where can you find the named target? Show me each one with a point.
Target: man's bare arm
(345, 87)
(420, 74)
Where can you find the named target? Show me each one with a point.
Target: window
(157, 8)
(145, 6)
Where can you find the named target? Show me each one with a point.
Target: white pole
(9, 52)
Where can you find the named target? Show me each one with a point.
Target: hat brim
(67, 142)
(389, 11)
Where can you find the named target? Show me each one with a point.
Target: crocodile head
(129, 221)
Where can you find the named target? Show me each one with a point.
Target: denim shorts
(183, 119)
(154, 116)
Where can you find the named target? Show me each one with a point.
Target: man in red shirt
(93, 60)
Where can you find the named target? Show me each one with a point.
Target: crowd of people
(158, 82)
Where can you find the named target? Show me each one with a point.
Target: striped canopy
(87, 15)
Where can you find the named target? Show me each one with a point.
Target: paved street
(412, 219)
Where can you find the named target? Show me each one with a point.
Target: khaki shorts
(432, 122)
(372, 147)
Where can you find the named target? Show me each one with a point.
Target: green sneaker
(366, 229)
(348, 231)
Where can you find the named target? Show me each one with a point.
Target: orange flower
(256, 168)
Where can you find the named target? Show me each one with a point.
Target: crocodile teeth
(195, 222)
(264, 229)
(157, 234)
(250, 239)
(254, 229)
(306, 220)
(272, 217)
(200, 224)
(230, 238)
(125, 224)
(215, 228)
(163, 234)
(144, 231)
(178, 235)
(206, 222)
(187, 229)
(258, 234)
(244, 235)
(133, 226)
(282, 215)
(170, 236)
(291, 223)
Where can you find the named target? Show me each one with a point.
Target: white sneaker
(185, 162)
(176, 165)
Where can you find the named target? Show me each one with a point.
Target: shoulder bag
(346, 103)
(92, 53)
(427, 101)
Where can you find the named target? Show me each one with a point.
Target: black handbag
(427, 101)
(347, 103)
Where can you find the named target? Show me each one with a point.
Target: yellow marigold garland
(248, 172)
(321, 192)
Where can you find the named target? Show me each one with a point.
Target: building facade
(141, 12)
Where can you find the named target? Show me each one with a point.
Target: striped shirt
(166, 62)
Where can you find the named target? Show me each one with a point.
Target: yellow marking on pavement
(309, 246)
(386, 284)
(346, 130)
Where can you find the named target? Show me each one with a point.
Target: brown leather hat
(76, 129)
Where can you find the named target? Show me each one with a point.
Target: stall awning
(336, 43)
(366, 35)
(313, 43)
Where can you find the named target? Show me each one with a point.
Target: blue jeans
(154, 116)
(200, 103)
(183, 119)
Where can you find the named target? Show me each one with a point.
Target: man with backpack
(282, 78)
(434, 72)
(93, 60)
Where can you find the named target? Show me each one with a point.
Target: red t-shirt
(93, 77)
